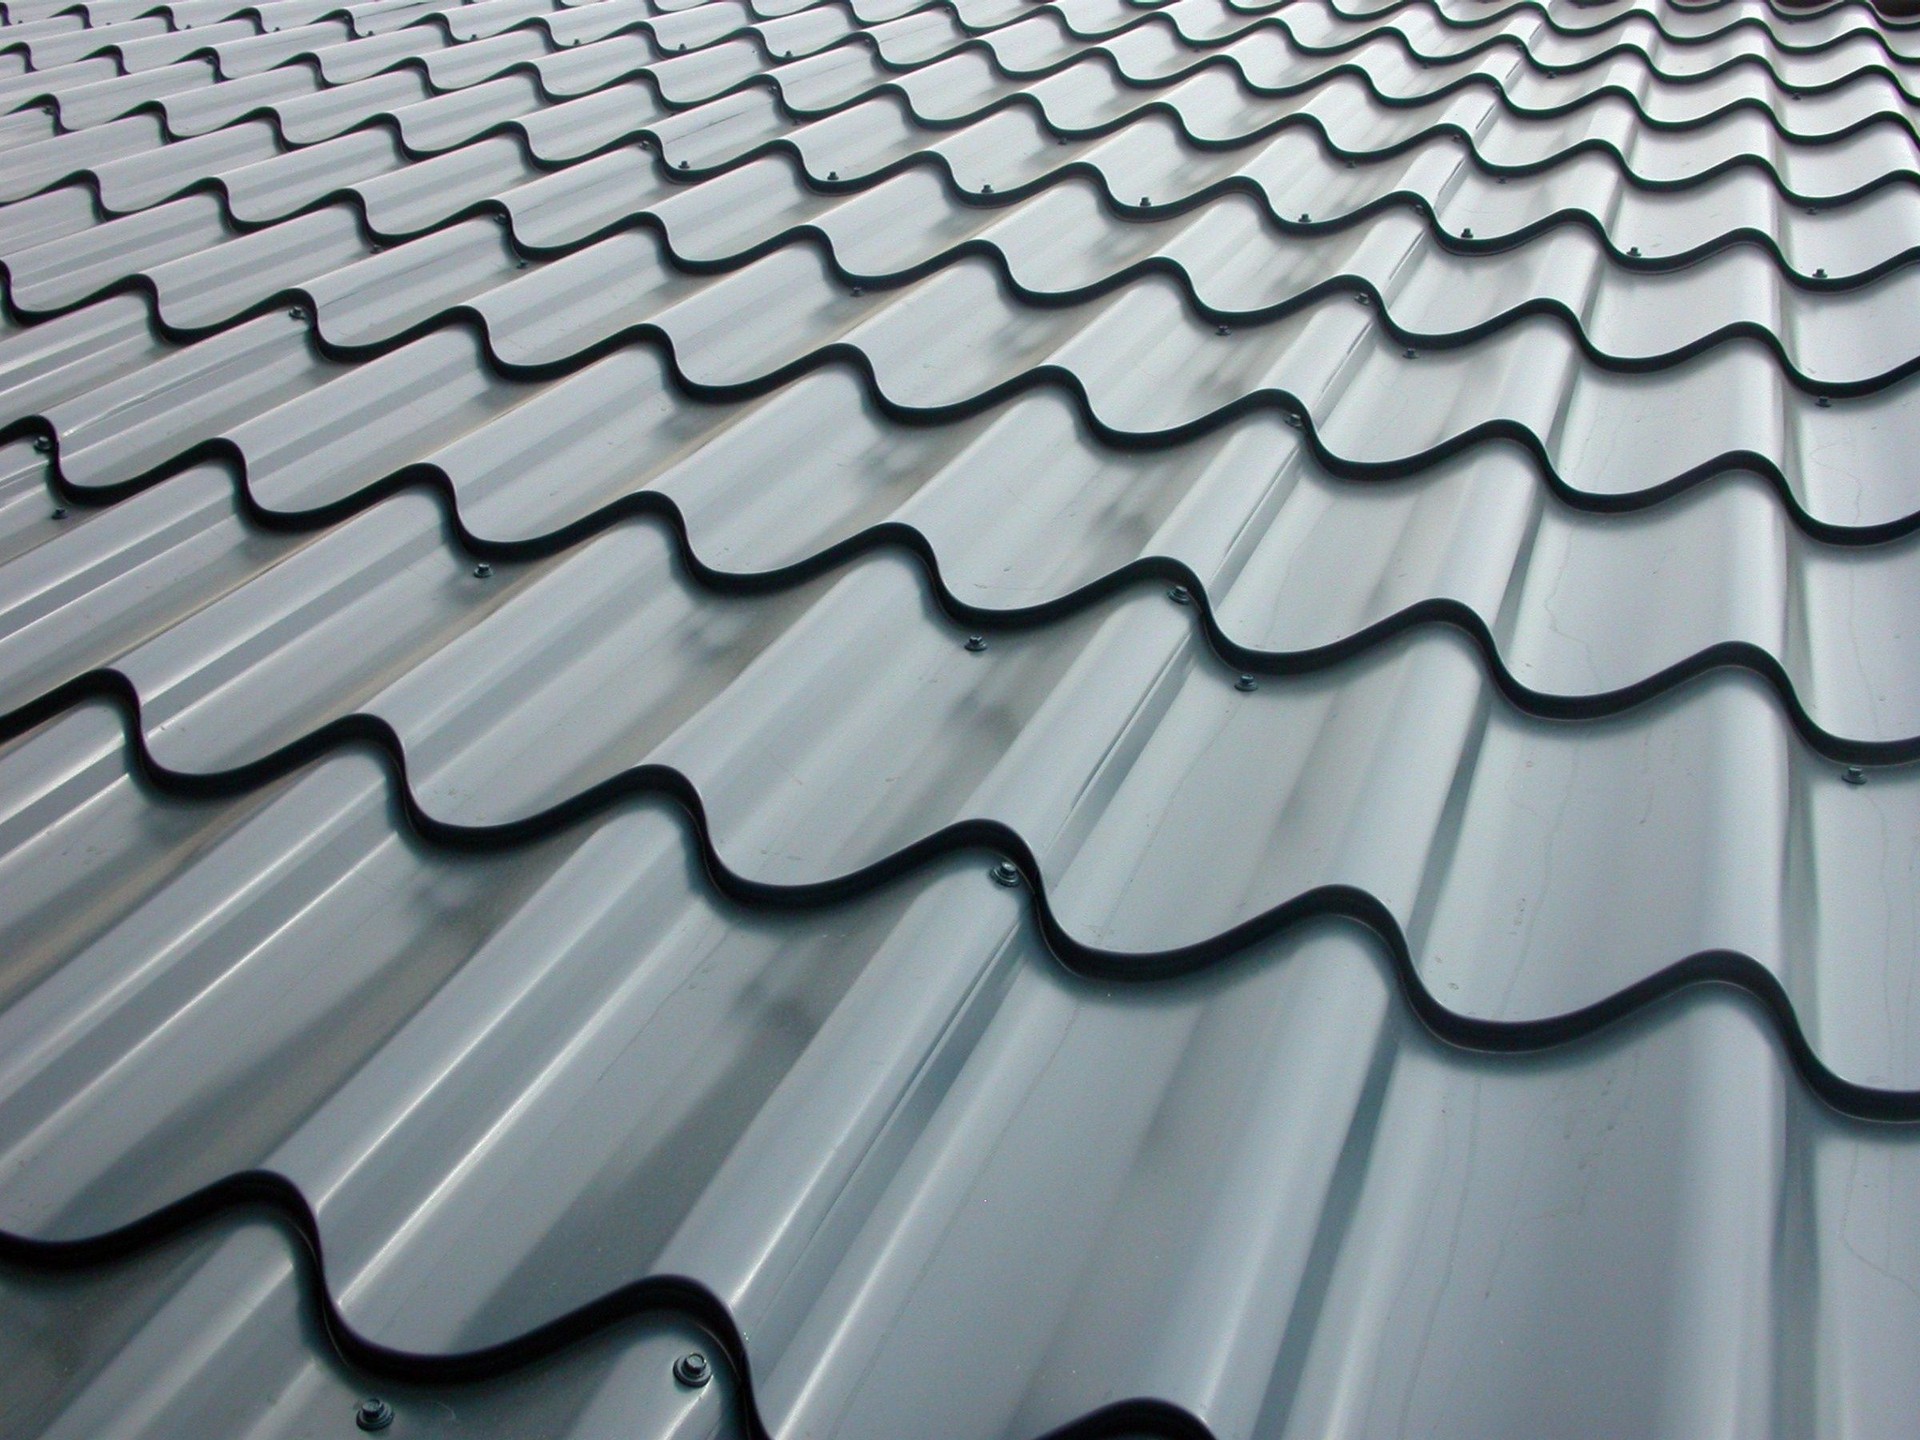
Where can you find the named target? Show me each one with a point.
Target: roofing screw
(1411, 353)
(976, 643)
(520, 263)
(1499, 179)
(1294, 420)
(1005, 873)
(986, 189)
(1360, 297)
(298, 314)
(1246, 684)
(683, 164)
(59, 512)
(1822, 403)
(1813, 210)
(42, 444)
(833, 174)
(1144, 201)
(856, 291)
(692, 1369)
(1633, 250)
(1305, 217)
(1820, 274)
(1854, 775)
(482, 570)
(1349, 164)
(1466, 234)
(373, 1413)
(1180, 595)
(1222, 330)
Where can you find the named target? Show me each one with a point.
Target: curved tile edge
(679, 1296)
(1340, 902)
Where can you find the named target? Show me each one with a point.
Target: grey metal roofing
(1182, 720)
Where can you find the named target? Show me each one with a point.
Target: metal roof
(1025, 717)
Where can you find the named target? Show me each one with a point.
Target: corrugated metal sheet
(1022, 716)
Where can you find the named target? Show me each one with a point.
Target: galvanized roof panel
(885, 1120)
(515, 708)
(933, 696)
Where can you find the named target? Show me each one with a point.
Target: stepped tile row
(1023, 716)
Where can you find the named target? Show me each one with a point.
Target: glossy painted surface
(1023, 716)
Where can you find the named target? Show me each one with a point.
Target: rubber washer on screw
(373, 1413)
(692, 1370)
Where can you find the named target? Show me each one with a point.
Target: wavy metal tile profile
(1668, 230)
(1471, 548)
(930, 1154)
(1046, 244)
(194, 738)
(1875, 266)
(1357, 904)
(558, 318)
(1083, 719)
(735, 79)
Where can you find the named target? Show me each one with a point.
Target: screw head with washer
(373, 1413)
(692, 1370)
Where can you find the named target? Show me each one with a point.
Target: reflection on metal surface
(872, 718)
